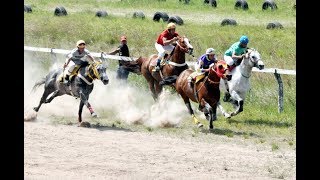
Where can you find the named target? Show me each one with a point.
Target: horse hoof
(211, 128)
(200, 125)
(84, 124)
(35, 109)
(227, 115)
(94, 115)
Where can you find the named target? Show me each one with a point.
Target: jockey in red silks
(233, 57)
(165, 42)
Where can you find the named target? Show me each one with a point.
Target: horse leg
(158, 89)
(80, 112)
(205, 111)
(223, 111)
(238, 101)
(151, 87)
(55, 93)
(239, 108)
(213, 114)
(187, 103)
(84, 99)
(43, 99)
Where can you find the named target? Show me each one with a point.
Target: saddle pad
(199, 77)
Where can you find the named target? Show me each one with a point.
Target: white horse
(240, 81)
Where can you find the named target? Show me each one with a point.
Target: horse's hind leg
(43, 99)
(55, 93)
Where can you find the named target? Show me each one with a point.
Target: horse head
(254, 59)
(99, 71)
(134, 66)
(185, 45)
(219, 70)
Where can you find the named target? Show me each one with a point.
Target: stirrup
(66, 82)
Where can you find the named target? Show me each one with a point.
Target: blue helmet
(244, 40)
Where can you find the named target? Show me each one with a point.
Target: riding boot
(157, 68)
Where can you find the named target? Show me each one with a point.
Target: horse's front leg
(151, 87)
(223, 111)
(239, 107)
(213, 113)
(187, 103)
(158, 88)
(84, 99)
(238, 102)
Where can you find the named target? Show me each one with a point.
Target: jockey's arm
(91, 58)
(167, 42)
(114, 51)
(236, 56)
(67, 62)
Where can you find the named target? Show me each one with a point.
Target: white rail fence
(277, 72)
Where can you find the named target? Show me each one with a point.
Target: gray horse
(81, 85)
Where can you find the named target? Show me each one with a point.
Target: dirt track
(70, 152)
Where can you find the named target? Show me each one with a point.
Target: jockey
(233, 57)
(164, 42)
(203, 64)
(77, 56)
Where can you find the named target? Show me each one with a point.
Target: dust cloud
(130, 104)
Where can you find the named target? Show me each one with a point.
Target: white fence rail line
(103, 56)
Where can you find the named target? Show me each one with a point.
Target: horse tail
(37, 84)
(168, 80)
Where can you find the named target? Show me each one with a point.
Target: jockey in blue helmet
(233, 57)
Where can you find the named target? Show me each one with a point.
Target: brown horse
(205, 91)
(173, 66)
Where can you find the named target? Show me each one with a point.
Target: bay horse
(240, 82)
(173, 66)
(81, 85)
(205, 91)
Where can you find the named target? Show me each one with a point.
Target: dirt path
(70, 152)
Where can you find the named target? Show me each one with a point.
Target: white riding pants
(229, 60)
(163, 49)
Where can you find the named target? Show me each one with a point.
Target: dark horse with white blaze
(174, 66)
(80, 87)
(206, 91)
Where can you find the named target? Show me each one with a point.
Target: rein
(206, 79)
(93, 76)
(252, 62)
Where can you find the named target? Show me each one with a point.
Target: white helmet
(210, 51)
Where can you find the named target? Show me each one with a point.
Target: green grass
(260, 121)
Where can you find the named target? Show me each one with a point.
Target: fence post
(280, 95)
(53, 56)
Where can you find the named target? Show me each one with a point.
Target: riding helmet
(244, 40)
(210, 51)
